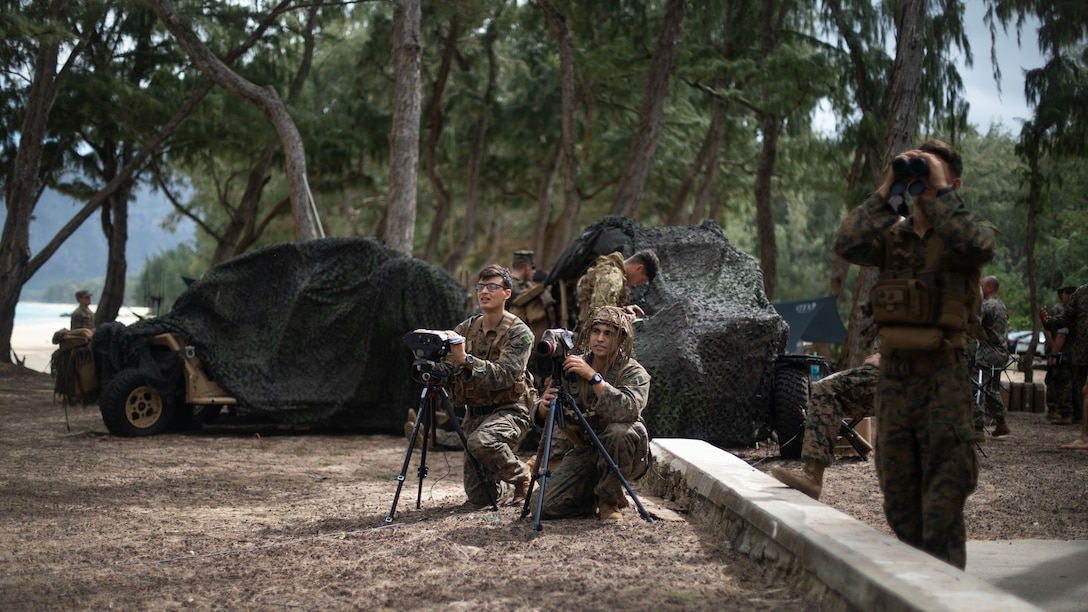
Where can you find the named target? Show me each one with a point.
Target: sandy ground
(249, 515)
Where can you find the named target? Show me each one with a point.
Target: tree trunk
(476, 155)
(567, 223)
(651, 110)
(265, 99)
(710, 168)
(771, 129)
(115, 226)
(400, 212)
(241, 220)
(900, 111)
(544, 206)
(21, 189)
(437, 121)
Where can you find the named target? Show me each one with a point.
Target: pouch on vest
(902, 300)
(893, 337)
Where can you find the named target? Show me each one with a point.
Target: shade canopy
(811, 320)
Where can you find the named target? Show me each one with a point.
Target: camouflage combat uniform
(849, 394)
(616, 418)
(1059, 375)
(496, 399)
(82, 318)
(1075, 317)
(990, 358)
(603, 284)
(925, 461)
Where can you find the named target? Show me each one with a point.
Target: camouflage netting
(710, 337)
(307, 332)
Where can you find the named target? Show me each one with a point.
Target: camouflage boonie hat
(82, 293)
(616, 317)
(522, 257)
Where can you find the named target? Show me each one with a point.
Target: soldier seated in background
(847, 394)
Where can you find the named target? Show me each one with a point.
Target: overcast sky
(980, 89)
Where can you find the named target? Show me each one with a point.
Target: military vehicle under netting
(711, 339)
(304, 333)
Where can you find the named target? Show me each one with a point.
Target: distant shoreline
(36, 322)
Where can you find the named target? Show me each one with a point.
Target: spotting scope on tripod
(429, 346)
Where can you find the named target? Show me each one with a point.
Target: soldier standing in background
(991, 357)
(1075, 317)
(1059, 367)
(82, 317)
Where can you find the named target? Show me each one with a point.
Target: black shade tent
(811, 320)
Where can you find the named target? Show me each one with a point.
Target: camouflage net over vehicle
(710, 337)
(305, 332)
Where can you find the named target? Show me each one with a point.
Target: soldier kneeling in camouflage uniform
(612, 389)
(848, 394)
(488, 378)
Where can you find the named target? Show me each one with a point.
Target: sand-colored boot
(808, 480)
(1001, 429)
(607, 511)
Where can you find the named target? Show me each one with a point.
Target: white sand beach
(35, 323)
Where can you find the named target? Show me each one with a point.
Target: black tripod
(432, 396)
(555, 414)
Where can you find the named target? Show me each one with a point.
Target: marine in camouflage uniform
(612, 400)
(847, 394)
(1075, 317)
(82, 317)
(487, 376)
(603, 284)
(925, 460)
(1059, 365)
(990, 359)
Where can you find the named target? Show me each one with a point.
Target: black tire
(790, 400)
(131, 408)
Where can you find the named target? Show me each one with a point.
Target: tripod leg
(604, 453)
(408, 455)
(544, 471)
(479, 469)
(428, 434)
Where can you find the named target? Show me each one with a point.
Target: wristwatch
(469, 360)
(945, 189)
(596, 379)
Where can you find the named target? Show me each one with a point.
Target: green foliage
(162, 276)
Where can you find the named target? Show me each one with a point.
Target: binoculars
(907, 169)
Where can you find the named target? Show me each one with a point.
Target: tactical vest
(465, 390)
(925, 310)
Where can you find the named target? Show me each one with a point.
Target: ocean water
(36, 322)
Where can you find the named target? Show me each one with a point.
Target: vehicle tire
(790, 400)
(131, 408)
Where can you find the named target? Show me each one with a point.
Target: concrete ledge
(846, 563)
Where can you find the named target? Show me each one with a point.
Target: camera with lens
(430, 344)
(555, 343)
(907, 171)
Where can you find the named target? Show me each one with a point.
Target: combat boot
(521, 489)
(607, 511)
(1063, 420)
(1001, 429)
(808, 480)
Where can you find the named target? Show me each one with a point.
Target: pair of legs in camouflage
(925, 460)
(492, 439)
(584, 476)
(986, 382)
(848, 394)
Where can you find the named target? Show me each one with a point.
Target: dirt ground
(250, 515)
(245, 515)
